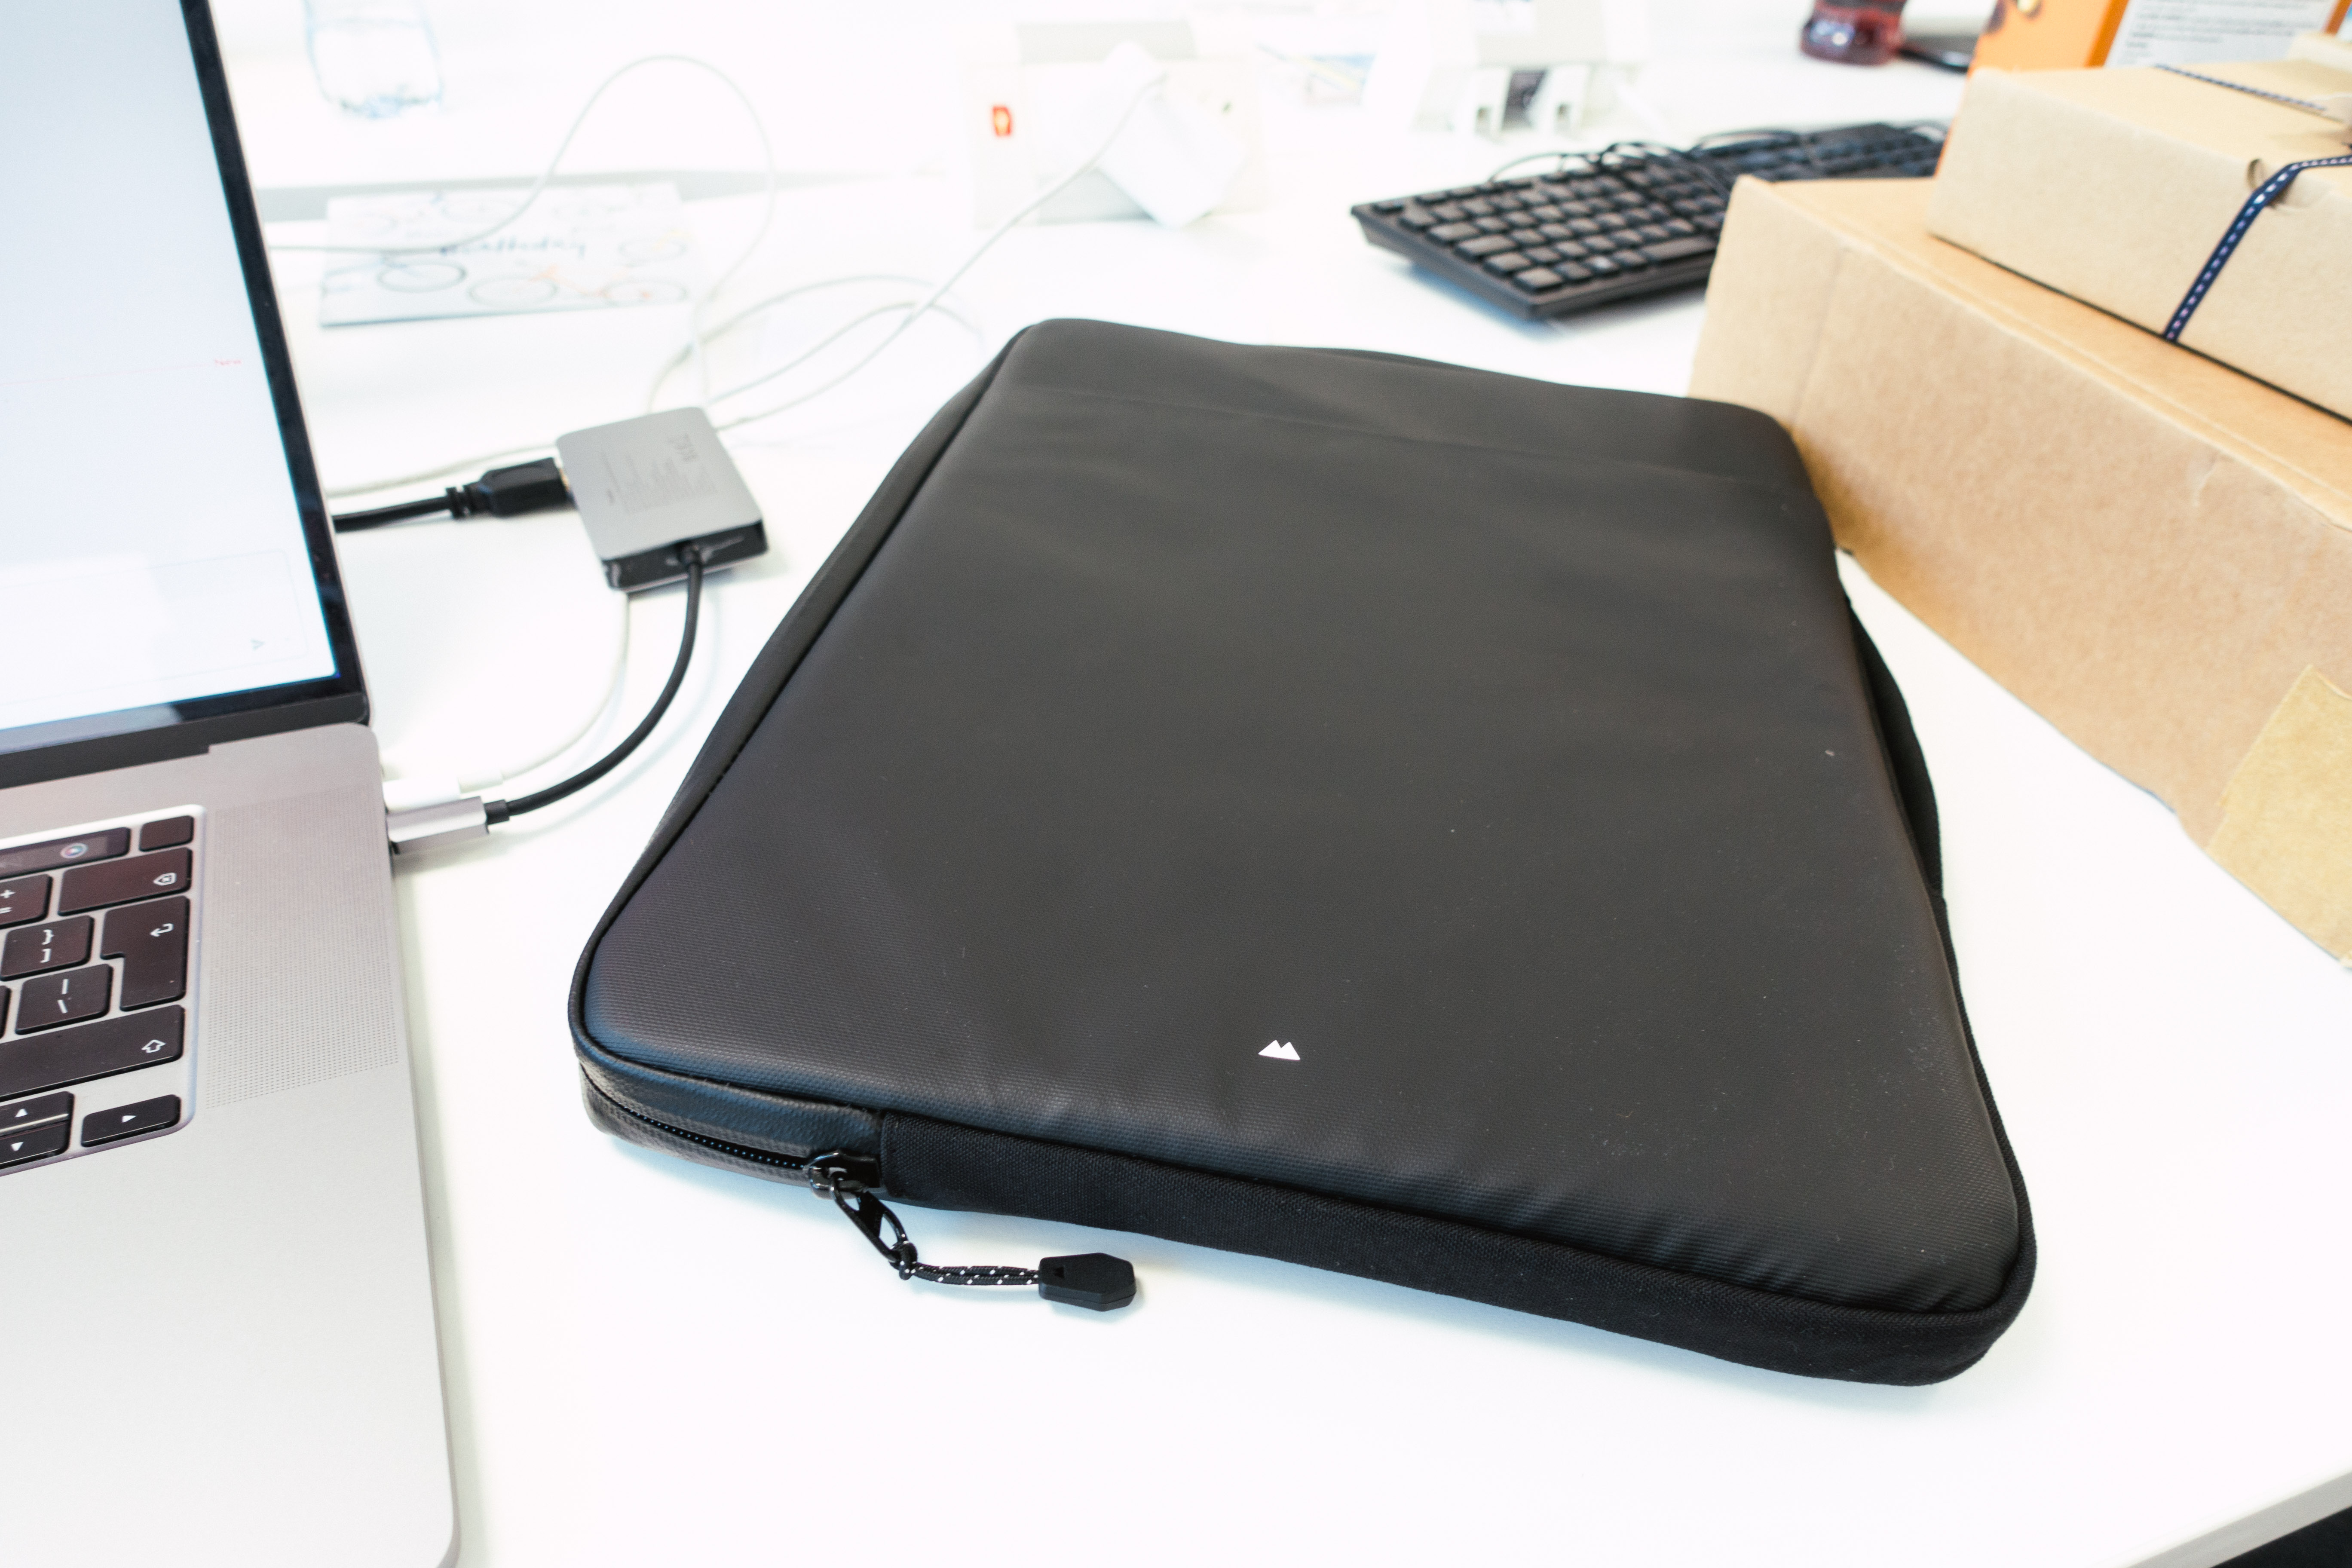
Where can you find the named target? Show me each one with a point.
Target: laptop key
(142, 877)
(39, 1144)
(50, 1000)
(26, 899)
(59, 852)
(151, 939)
(166, 833)
(32, 1112)
(58, 945)
(36, 1062)
(129, 1120)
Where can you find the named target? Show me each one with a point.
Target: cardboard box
(2152, 549)
(2115, 185)
(2069, 34)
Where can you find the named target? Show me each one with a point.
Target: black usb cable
(501, 492)
(472, 816)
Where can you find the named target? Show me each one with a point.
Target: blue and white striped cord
(2264, 195)
(2315, 108)
(2269, 191)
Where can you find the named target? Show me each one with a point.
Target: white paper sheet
(578, 248)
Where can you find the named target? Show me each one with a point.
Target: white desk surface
(652, 1363)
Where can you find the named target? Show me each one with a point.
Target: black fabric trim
(947, 1166)
(1907, 765)
(786, 646)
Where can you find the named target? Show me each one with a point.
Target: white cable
(820, 345)
(932, 300)
(539, 185)
(914, 313)
(590, 725)
(713, 334)
(694, 333)
(413, 788)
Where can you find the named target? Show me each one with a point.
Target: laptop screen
(155, 555)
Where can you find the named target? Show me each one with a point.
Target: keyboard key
(59, 852)
(1447, 234)
(167, 833)
(1478, 208)
(1679, 249)
(151, 939)
(16, 1148)
(59, 944)
(1523, 220)
(1485, 244)
(32, 1112)
(1490, 225)
(129, 1120)
(52, 1000)
(1546, 213)
(1653, 234)
(26, 899)
(1633, 258)
(1572, 250)
(1449, 212)
(1583, 225)
(141, 876)
(1602, 266)
(87, 1051)
(1573, 272)
(1676, 226)
(1535, 279)
(1541, 255)
(1557, 231)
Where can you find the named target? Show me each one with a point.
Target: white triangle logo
(1281, 1051)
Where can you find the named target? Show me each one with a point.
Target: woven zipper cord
(870, 1213)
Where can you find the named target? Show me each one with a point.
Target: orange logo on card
(1001, 118)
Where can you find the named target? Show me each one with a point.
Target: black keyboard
(95, 942)
(1637, 218)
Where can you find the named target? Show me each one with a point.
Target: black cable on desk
(501, 492)
(498, 810)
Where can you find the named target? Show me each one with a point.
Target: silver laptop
(214, 1292)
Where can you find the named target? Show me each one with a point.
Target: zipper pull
(1095, 1280)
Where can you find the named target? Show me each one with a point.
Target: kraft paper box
(2115, 185)
(2150, 548)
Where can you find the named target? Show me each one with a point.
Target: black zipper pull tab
(1095, 1280)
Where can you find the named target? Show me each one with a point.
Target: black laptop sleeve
(1397, 818)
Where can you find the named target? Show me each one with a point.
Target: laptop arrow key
(129, 1120)
(39, 1144)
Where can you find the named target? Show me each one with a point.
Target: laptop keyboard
(96, 939)
(1629, 221)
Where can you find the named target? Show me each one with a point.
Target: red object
(1000, 119)
(1859, 34)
